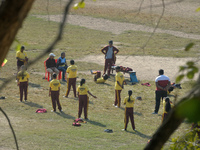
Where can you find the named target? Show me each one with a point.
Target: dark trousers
(118, 97)
(83, 103)
(23, 86)
(55, 100)
(159, 95)
(71, 82)
(108, 64)
(63, 69)
(129, 114)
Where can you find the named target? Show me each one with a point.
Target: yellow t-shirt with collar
(21, 55)
(119, 77)
(23, 76)
(130, 103)
(54, 85)
(83, 90)
(72, 70)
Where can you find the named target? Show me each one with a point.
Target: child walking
(71, 80)
(22, 82)
(83, 92)
(167, 105)
(129, 102)
(54, 92)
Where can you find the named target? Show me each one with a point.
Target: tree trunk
(12, 15)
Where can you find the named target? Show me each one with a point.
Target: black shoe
(154, 113)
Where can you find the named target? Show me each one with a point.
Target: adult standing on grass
(83, 92)
(162, 85)
(51, 65)
(21, 57)
(119, 85)
(71, 79)
(22, 78)
(110, 56)
(62, 65)
(54, 92)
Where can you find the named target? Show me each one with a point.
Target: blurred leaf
(190, 75)
(182, 68)
(179, 78)
(190, 63)
(189, 46)
(81, 4)
(190, 109)
(195, 69)
(198, 9)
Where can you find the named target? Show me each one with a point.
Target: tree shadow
(140, 134)
(3, 79)
(31, 104)
(64, 115)
(34, 85)
(121, 108)
(96, 123)
(137, 113)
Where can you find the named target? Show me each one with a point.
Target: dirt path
(114, 26)
(146, 67)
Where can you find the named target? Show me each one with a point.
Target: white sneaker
(116, 106)
(113, 104)
(124, 130)
(135, 130)
(52, 111)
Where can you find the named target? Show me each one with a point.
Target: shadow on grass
(137, 113)
(64, 115)
(96, 123)
(31, 104)
(140, 134)
(34, 85)
(3, 79)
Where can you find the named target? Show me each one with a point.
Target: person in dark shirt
(62, 65)
(51, 65)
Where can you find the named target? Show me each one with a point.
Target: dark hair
(62, 53)
(118, 67)
(22, 47)
(110, 42)
(167, 105)
(82, 82)
(161, 72)
(105, 77)
(54, 76)
(72, 62)
(129, 94)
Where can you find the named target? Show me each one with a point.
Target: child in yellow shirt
(22, 78)
(129, 102)
(54, 92)
(167, 105)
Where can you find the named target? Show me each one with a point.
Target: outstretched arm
(91, 94)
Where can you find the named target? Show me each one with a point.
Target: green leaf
(190, 109)
(190, 63)
(179, 78)
(198, 9)
(190, 75)
(182, 68)
(195, 69)
(189, 46)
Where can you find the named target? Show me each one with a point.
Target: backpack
(41, 110)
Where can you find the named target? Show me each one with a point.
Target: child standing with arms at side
(167, 105)
(22, 78)
(83, 92)
(71, 80)
(129, 102)
(54, 92)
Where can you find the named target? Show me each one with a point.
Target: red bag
(41, 110)
(76, 124)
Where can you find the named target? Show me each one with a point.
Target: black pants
(159, 95)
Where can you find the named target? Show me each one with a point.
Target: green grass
(55, 131)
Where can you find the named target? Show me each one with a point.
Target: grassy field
(51, 131)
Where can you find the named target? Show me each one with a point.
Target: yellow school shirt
(164, 104)
(83, 90)
(23, 76)
(101, 80)
(21, 55)
(130, 103)
(119, 77)
(72, 70)
(54, 85)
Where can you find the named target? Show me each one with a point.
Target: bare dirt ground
(146, 67)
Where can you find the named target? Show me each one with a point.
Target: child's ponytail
(129, 94)
(167, 105)
(82, 82)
